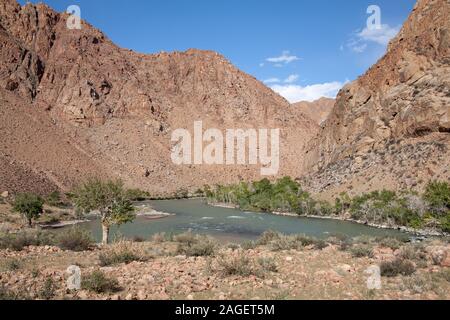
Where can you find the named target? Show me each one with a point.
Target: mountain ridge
(120, 107)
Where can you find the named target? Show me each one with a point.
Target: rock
(141, 295)
(289, 259)
(82, 295)
(446, 262)
(130, 296)
(344, 268)
(190, 297)
(5, 194)
(440, 255)
(268, 282)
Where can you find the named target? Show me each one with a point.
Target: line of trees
(406, 208)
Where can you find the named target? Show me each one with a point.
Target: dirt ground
(230, 272)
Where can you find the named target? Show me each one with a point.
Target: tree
(29, 205)
(53, 199)
(110, 198)
(437, 194)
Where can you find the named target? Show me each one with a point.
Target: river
(231, 225)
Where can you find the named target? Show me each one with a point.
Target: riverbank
(416, 232)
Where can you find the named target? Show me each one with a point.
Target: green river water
(231, 225)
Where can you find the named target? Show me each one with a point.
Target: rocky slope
(318, 110)
(404, 98)
(119, 108)
(230, 273)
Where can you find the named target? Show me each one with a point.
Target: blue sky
(302, 49)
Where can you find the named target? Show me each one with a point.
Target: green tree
(53, 199)
(29, 205)
(110, 198)
(437, 194)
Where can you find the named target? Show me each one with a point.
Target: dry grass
(122, 251)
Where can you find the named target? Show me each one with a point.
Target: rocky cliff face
(404, 97)
(119, 107)
(318, 110)
(406, 94)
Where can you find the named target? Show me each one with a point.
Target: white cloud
(358, 47)
(272, 80)
(292, 78)
(262, 64)
(381, 35)
(295, 93)
(285, 58)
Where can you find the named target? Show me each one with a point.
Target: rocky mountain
(400, 106)
(76, 105)
(318, 110)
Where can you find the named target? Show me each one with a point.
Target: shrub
(138, 239)
(361, 251)
(267, 237)
(27, 238)
(397, 267)
(320, 244)
(419, 283)
(249, 245)
(279, 242)
(239, 265)
(11, 264)
(53, 199)
(75, 239)
(268, 264)
(161, 237)
(445, 223)
(137, 195)
(233, 246)
(339, 237)
(187, 238)
(199, 249)
(98, 282)
(285, 243)
(388, 242)
(199, 246)
(437, 194)
(47, 292)
(346, 245)
(120, 252)
(444, 274)
(415, 252)
(364, 239)
(29, 205)
(305, 241)
(7, 294)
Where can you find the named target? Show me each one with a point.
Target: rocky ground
(276, 268)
